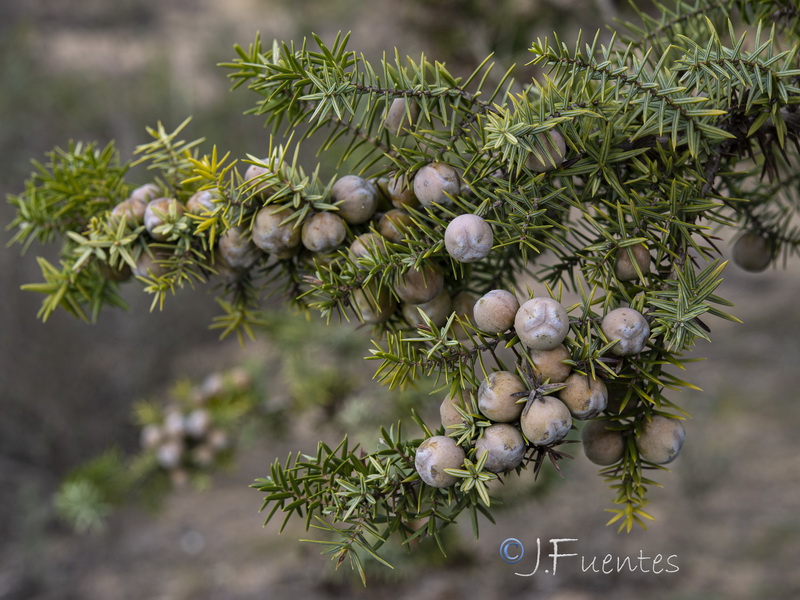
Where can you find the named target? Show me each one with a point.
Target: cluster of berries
(380, 205)
(188, 435)
(538, 411)
(162, 218)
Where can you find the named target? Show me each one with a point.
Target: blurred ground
(728, 511)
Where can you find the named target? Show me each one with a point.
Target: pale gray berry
(170, 454)
(436, 183)
(401, 116)
(323, 232)
(201, 202)
(254, 172)
(213, 386)
(660, 440)
(541, 323)
(468, 238)
(436, 454)
(271, 234)
(145, 193)
(504, 445)
(355, 197)
(237, 250)
(198, 423)
(448, 413)
(174, 424)
(159, 212)
(629, 327)
(132, 210)
(496, 399)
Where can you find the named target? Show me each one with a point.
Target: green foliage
(373, 495)
(667, 142)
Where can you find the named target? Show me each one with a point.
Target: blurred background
(729, 512)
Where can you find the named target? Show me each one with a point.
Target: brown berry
(550, 365)
(585, 397)
(366, 244)
(625, 269)
(417, 286)
(495, 311)
(556, 150)
(752, 252)
(601, 445)
(437, 310)
(463, 305)
(203, 455)
(151, 436)
(150, 264)
(219, 439)
(401, 192)
(374, 307)
(393, 224)
(122, 272)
